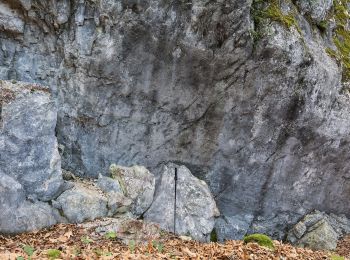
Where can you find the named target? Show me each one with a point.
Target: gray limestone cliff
(30, 166)
(252, 103)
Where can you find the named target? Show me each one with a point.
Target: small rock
(68, 176)
(185, 238)
(108, 184)
(322, 237)
(319, 230)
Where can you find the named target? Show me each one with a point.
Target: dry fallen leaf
(188, 252)
(65, 237)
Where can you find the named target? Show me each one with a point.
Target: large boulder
(81, 203)
(29, 146)
(30, 172)
(319, 230)
(195, 207)
(137, 184)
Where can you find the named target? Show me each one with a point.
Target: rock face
(30, 169)
(258, 110)
(318, 230)
(317, 9)
(195, 207)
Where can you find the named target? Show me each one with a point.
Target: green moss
(341, 14)
(213, 236)
(270, 10)
(275, 14)
(337, 257)
(322, 26)
(132, 246)
(158, 245)
(261, 239)
(29, 250)
(86, 240)
(53, 253)
(341, 37)
(111, 235)
(101, 253)
(332, 52)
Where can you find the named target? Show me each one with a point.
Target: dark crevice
(262, 195)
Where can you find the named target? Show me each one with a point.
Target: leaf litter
(69, 241)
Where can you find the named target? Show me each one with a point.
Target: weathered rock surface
(137, 184)
(117, 201)
(18, 214)
(30, 172)
(29, 147)
(322, 236)
(195, 207)
(318, 230)
(10, 20)
(81, 203)
(317, 9)
(146, 82)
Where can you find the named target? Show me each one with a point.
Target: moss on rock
(213, 236)
(322, 26)
(341, 36)
(260, 239)
(263, 10)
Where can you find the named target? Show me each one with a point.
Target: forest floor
(66, 241)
